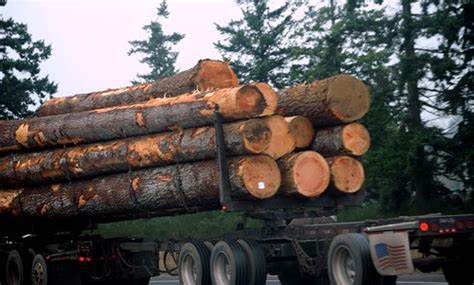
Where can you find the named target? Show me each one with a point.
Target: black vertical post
(224, 184)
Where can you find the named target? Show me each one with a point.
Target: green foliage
(259, 46)
(21, 85)
(157, 49)
(202, 225)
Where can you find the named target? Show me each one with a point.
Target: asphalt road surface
(415, 279)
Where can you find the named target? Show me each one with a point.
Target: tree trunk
(331, 101)
(347, 174)
(282, 141)
(204, 76)
(303, 174)
(153, 190)
(350, 139)
(302, 130)
(156, 115)
(246, 137)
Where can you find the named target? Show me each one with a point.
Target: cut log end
(347, 174)
(356, 138)
(256, 135)
(348, 98)
(302, 130)
(215, 74)
(255, 99)
(310, 174)
(282, 141)
(270, 97)
(260, 175)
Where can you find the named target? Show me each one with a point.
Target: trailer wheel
(39, 271)
(193, 264)
(256, 263)
(14, 269)
(228, 264)
(458, 273)
(350, 263)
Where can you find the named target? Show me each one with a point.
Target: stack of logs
(151, 148)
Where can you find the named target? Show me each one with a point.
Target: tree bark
(302, 130)
(156, 115)
(350, 139)
(347, 174)
(304, 174)
(204, 76)
(331, 101)
(245, 137)
(153, 190)
(282, 141)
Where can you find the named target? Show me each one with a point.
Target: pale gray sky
(90, 38)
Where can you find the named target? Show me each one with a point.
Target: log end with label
(302, 130)
(260, 175)
(350, 139)
(304, 174)
(347, 174)
(282, 141)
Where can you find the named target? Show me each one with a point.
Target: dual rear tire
(229, 262)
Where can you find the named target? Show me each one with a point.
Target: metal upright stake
(224, 184)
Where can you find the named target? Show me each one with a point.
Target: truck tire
(458, 273)
(14, 271)
(256, 263)
(228, 264)
(194, 264)
(350, 263)
(39, 271)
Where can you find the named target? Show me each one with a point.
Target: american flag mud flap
(390, 252)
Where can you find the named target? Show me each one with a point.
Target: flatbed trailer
(299, 241)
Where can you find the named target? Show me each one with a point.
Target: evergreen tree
(21, 85)
(157, 49)
(259, 45)
(409, 156)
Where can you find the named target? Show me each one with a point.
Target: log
(156, 115)
(204, 76)
(302, 130)
(347, 174)
(350, 139)
(304, 174)
(244, 137)
(282, 141)
(157, 190)
(332, 101)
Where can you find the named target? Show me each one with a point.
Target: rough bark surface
(156, 115)
(331, 101)
(350, 139)
(304, 174)
(245, 137)
(155, 190)
(347, 174)
(302, 130)
(282, 141)
(204, 76)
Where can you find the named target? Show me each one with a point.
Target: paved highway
(415, 279)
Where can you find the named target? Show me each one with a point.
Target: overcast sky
(90, 37)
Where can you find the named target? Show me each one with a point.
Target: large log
(347, 174)
(350, 139)
(302, 130)
(244, 137)
(282, 141)
(331, 101)
(156, 115)
(174, 187)
(205, 76)
(304, 174)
